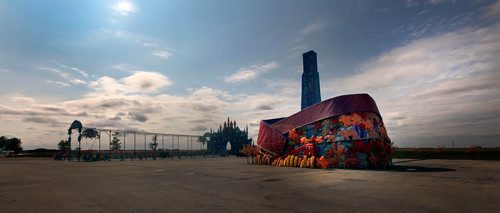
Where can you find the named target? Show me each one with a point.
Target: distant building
(310, 80)
(230, 133)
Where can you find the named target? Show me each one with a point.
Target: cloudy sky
(432, 66)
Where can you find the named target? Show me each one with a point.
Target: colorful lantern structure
(342, 132)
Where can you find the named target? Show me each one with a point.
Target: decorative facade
(229, 133)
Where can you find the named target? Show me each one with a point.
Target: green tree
(154, 143)
(10, 144)
(3, 142)
(115, 143)
(63, 145)
(204, 139)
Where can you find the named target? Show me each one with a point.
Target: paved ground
(230, 185)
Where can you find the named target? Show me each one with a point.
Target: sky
(183, 67)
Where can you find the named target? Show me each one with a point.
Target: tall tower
(310, 80)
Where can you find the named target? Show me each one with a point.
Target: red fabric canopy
(271, 131)
(270, 139)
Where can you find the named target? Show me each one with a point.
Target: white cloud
(162, 54)
(250, 73)
(304, 32)
(145, 44)
(22, 99)
(58, 83)
(147, 81)
(150, 44)
(122, 67)
(318, 25)
(298, 48)
(120, 104)
(140, 82)
(58, 72)
(77, 81)
(64, 75)
(124, 8)
(80, 71)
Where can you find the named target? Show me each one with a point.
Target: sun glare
(124, 8)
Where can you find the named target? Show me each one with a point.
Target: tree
(11, 144)
(63, 145)
(14, 144)
(3, 142)
(115, 143)
(205, 138)
(154, 143)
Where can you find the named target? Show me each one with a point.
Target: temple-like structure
(230, 133)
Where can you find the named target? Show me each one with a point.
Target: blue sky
(184, 66)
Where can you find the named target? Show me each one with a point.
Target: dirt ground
(230, 185)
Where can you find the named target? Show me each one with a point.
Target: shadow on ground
(407, 160)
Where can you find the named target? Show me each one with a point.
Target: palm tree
(115, 143)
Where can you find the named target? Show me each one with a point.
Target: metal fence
(136, 145)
